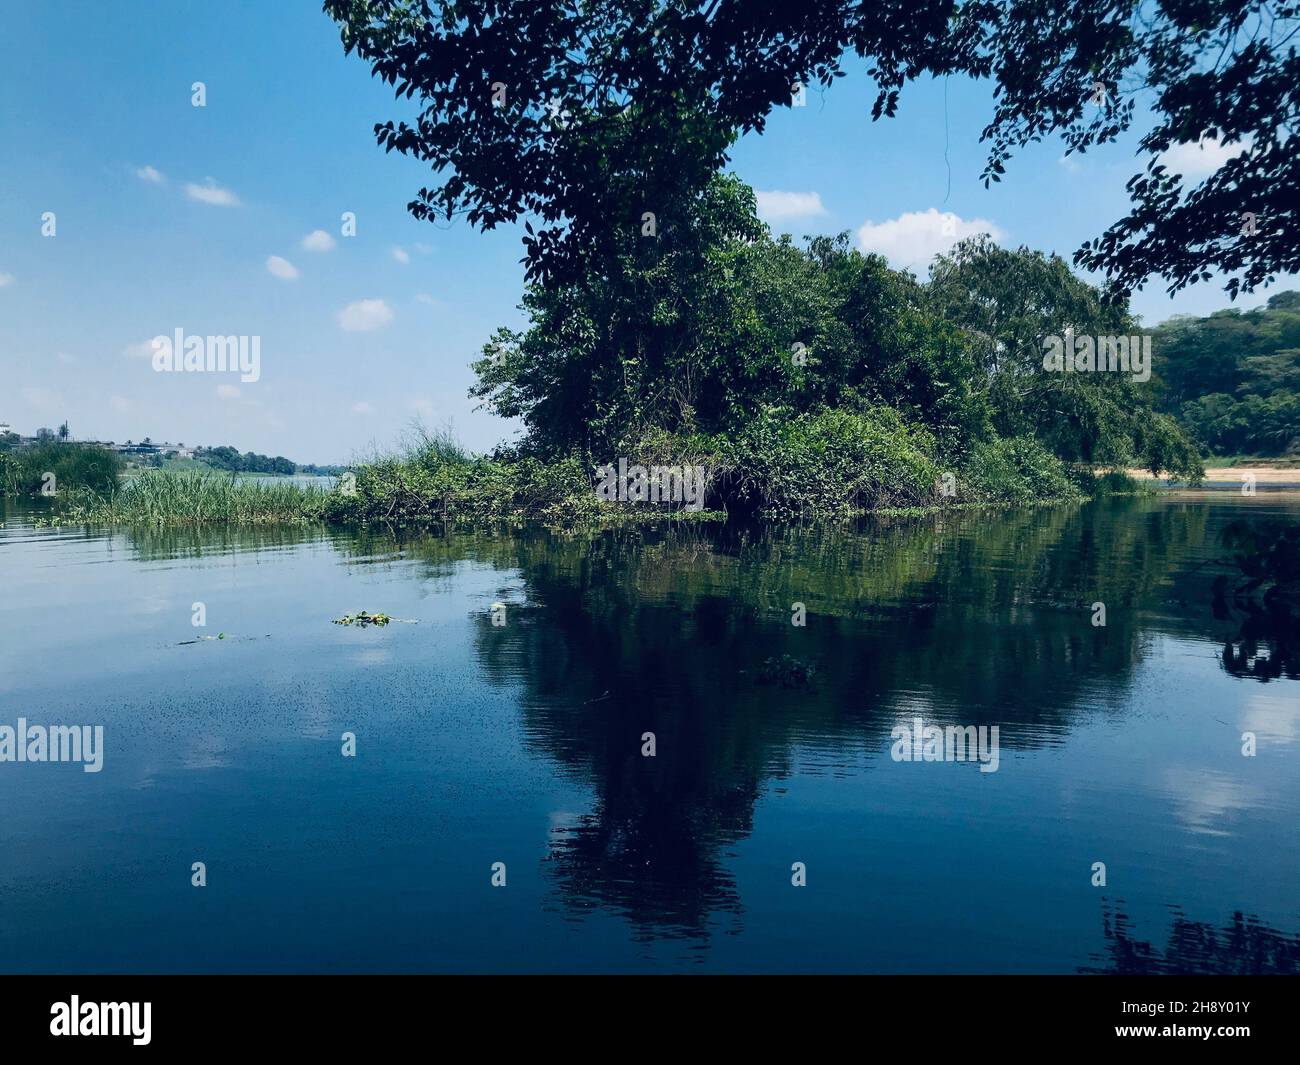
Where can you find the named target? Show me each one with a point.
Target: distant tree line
(232, 460)
(1233, 379)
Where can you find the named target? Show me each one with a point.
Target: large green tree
(718, 322)
(723, 323)
(586, 115)
(1008, 302)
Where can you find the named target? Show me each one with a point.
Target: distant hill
(1233, 379)
(231, 460)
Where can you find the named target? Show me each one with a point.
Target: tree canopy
(588, 116)
(1233, 378)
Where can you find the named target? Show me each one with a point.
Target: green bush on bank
(781, 467)
(74, 466)
(830, 464)
(1013, 470)
(1100, 485)
(469, 489)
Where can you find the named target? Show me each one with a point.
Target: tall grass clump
(162, 498)
(433, 448)
(74, 466)
(1016, 469)
(829, 464)
(1105, 483)
(479, 488)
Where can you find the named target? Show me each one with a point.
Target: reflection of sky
(229, 751)
(1208, 801)
(1273, 717)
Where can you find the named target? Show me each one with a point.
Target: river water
(521, 743)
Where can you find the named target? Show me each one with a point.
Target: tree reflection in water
(1244, 946)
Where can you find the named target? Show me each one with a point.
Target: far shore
(1264, 474)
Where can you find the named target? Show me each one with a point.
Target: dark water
(522, 743)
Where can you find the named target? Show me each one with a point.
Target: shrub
(74, 466)
(830, 464)
(1014, 469)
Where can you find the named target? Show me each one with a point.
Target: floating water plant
(365, 618)
(221, 636)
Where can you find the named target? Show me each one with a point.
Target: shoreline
(1217, 479)
(1264, 473)
(624, 516)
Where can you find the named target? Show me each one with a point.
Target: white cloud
(775, 205)
(362, 408)
(424, 297)
(1202, 159)
(6, 279)
(142, 350)
(212, 193)
(422, 406)
(227, 392)
(119, 403)
(282, 268)
(365, 315)
(401, 255)
(916, 237)
(149, 174)
(317, 240)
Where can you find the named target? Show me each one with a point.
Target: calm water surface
(522, 744)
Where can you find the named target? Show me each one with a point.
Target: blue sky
(168, 215)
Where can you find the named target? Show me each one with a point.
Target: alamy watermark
(919, 742)
(55, 743)
(179, 353)
(653, 484)
(103, 1018)
(1087, 354)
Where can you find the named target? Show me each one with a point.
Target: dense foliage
(813, 377)
(232, 461)
(1007, 302)
(23, 471)
(1233, 379)
(585, 115)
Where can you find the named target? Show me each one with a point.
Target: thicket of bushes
(1233, 378)
(808, 380)
(826, 465)
(74, 465)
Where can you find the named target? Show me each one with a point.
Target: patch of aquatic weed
(164, 498)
